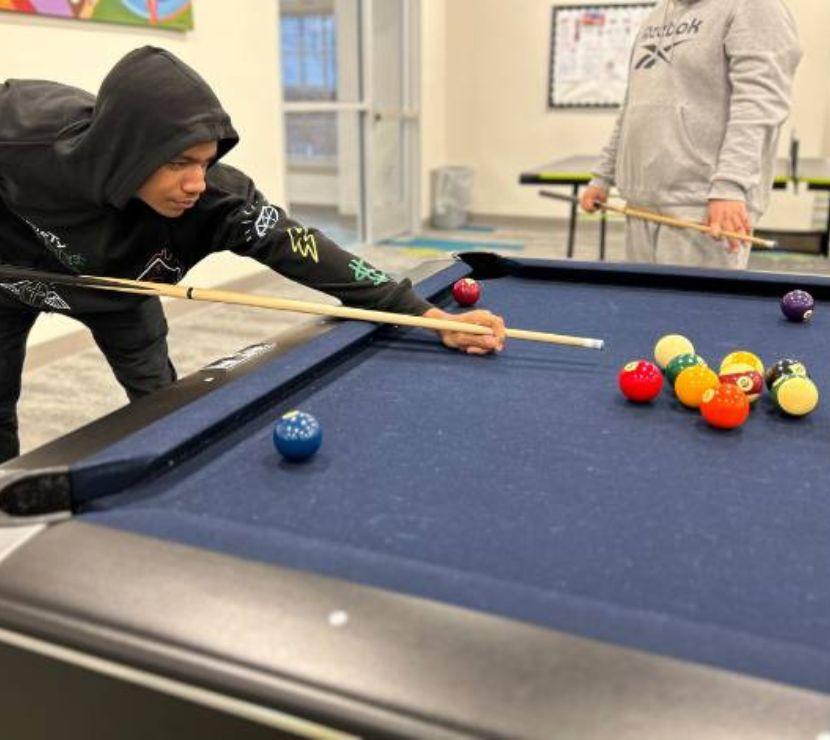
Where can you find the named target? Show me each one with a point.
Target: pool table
(483, 547)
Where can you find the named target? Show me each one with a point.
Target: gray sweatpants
(666, 245)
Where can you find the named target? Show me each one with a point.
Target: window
(309, 57)
(311, 137)
(308, 32)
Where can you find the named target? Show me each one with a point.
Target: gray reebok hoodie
(709, 88)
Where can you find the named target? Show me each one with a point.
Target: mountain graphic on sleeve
(36, 294)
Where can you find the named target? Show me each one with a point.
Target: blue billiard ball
(297, 435)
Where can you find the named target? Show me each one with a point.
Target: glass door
(350, 122)
(323, 105)
(392, 147)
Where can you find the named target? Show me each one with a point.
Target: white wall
(811, 110)
(435, 93)
(498, 121)
(235, 50)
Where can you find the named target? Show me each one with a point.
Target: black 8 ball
(787, 366)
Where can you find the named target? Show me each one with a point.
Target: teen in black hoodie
(127, 185)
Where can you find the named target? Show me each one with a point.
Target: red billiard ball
(640, 381)
(466, 292)
(725, 407)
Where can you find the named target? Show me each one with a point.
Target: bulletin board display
(589, 53)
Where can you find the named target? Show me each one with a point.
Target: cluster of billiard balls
(723, 398)
(298, 435)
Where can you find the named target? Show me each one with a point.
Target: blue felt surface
(134, 456)
(525, 485)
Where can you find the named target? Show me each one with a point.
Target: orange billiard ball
(725, 407)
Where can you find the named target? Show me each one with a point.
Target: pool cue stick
(359, 314)
(139, 287)
(667, 220)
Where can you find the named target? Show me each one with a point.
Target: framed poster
(171, 14)
(589, 53)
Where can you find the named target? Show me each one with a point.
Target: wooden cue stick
(667, 220)
(682, 224)
(320, 309)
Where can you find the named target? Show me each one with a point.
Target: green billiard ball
(680, 363)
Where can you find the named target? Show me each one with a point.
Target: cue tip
(596, 344)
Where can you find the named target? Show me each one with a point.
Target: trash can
(451, 192)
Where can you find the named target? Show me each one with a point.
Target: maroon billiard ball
(466, 292)
(640, 381)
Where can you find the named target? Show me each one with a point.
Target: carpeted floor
(74, 387)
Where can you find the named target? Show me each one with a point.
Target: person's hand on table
(472, 344)
(591, 197)
(729, 215)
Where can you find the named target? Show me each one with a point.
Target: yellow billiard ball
(669, 346)
(743, 357)
(692, 384)
(795, 395)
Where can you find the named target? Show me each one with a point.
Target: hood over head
(150, 108)
(61, 148)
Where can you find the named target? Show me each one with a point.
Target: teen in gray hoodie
(709, 89)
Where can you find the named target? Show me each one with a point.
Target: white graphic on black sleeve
(163, 267)
(259, 224)
(58, 248)
(36, 294)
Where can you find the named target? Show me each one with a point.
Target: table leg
(603, 223)
(572, 223)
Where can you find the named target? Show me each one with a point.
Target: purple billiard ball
(798, 305)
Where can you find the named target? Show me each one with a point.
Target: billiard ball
(745, 377)
(466, 292)
(724, 407)
(640, 381)
(787, 366)
(693, 382)
(798, 305)
(669, 346)
(795, 395)
(680, 363)
(297, 435)
(742, 357)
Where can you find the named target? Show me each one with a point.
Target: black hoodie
(71, 163)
